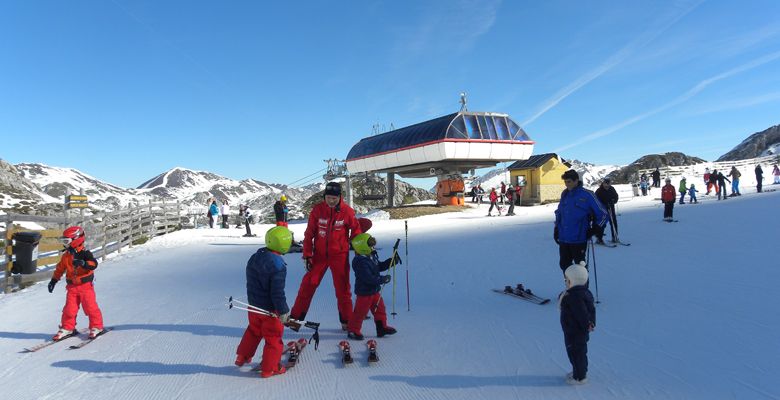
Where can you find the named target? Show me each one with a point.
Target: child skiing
(494, 202)
(667, 197)
(692, 194)
(578, 319)
(683, 190)
(368, 287)
(78, 264)
(266, 272)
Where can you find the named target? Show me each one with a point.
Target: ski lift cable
(307, 176)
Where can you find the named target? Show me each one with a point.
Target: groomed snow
(686, 312)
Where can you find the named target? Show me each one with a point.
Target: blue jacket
(574, 215)
(577, 313)
(367, 269)
(214, 210)
(266, 273)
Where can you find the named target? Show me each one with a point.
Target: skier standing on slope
(578, 319)
(578, 217)
(667, 197)
(714, 182)
(213, 213)
(510, 198)
(683, 189)
(266, 273)
(332, 223)
(368, 287)
(281, 211)
(656, 177)
(78, 264)
(494, 202)
(722, 185)
(735, 175)
(759, 178)
(247, 217)
(608, 196)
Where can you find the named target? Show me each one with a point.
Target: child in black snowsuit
(578, 319)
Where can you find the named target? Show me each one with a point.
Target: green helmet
(278, 239)
(362, 244)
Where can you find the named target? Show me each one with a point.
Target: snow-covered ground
(686, 312)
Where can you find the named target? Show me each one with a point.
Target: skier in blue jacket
(579, 216)
(266, 273)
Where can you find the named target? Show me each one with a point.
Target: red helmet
(73, 236)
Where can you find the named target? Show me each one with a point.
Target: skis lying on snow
(346, 354)
(51, 342)
(522, 293)
(372, 356)
(90, 340)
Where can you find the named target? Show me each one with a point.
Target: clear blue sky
(124, 90)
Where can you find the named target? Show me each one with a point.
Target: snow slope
(686, 312)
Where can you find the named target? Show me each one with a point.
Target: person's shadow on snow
(465, 381)
(141, 368)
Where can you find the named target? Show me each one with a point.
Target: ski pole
(392, 265)
(595, 274)
(406, 256)
(293, 324)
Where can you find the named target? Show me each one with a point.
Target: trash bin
(26, 251)
(635, 189)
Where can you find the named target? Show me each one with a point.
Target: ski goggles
(65, 241)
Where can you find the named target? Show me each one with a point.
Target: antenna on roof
(463, 102)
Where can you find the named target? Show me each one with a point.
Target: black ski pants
(571, 253)
(577, 350)
(511, 210)
(668, 208)
(248, 229)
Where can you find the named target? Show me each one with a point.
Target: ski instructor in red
(332, 224)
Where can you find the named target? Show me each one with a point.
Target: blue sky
(124, 90)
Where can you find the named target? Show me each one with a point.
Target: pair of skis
(75, 333)
(521, 292)
(293, 351)
(346, 352)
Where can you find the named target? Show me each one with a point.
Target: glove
(555, 235)
(78, 263)
(395, 260)
(284, 317)
(52, 283)
(307, 264)
(385, 279)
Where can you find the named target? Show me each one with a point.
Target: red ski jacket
(76, 275)
(668, 193)
(329, 230)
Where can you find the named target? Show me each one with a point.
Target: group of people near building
(503, 194)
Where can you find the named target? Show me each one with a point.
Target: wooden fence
(690, 171)
(106, 233)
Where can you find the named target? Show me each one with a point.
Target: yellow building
(540, 178)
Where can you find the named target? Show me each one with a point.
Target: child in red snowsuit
(266, 273)
(368, 287)
(78, 264)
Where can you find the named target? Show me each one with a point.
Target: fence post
(9, 226)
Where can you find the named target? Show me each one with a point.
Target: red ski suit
(263, 327)
(326, 243)
(81, 291)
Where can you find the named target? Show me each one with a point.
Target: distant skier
(722, 185)
(281, 211)
(266, 273)
(707, 182)
(714, 183)
(735, 175)
(494, 202)
(608, 197)
(78, 264)
(643, 184)
(578, 319)
(503, 192)
(213, 213)
(776, 173)
(667, 197)
(578, 217)
(759, 178)
(368, 286)
(225, 214)
(332, 223)
(247, 216)
(692, 194)
(510, 198)
(683, 189)
(656, 178)
(240, 219)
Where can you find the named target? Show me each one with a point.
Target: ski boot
(95, 332)
(241, 360)
(519, 289)
(278, 371)
(61, 334)
(508, 289)
(355, 336)
(382, 329)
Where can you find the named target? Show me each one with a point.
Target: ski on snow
(294, 349)
(605, 244)
(346, 354)
(90, 340)
(522, 293)
(51, 342)
(372, 356)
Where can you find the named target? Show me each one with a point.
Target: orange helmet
(73, 236)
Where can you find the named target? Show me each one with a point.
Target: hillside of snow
(686, 312)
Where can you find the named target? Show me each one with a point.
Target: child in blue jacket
(368, 284)
(266, 273)
(578, 319)
(692, 194)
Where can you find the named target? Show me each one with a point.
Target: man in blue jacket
(579, 216)
(266, 272)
